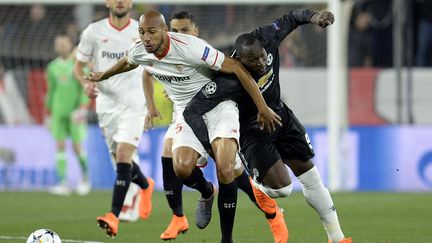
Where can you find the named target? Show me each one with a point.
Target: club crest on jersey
(210, 88)
(179, 67)
(269, 59)
(206, 53)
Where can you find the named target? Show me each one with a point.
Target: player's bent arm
(78, 71)
(234, 66)
(148, 90)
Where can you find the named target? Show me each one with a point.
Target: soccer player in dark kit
(288, 144)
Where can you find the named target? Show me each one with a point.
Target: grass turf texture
(367, 217)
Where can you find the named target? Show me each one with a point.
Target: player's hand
(323, 19)
(91, 90)
(95, 77)
(268, 120)
(151, 114)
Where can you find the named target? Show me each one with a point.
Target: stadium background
(385, 145)
(387, 101)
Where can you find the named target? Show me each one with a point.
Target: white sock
(319, 198)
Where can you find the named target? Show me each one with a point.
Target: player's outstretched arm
(120, 67)
(266, 117)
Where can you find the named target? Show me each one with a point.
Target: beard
(119, 14)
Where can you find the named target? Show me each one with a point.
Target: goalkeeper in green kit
(67, 105)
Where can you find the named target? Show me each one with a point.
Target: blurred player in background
(183, 22)
(120, 104)
(66, 104)
(269, 153)
(184, 64)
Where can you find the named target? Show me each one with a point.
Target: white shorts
(122, 126)
(170, 132)
(222, 122)
(171, 128)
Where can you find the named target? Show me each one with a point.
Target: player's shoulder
(52, 63)
(97, 24)
(184, 39)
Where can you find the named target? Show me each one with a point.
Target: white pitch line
(5, 237)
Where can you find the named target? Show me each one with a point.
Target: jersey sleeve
(86, 46)
(132, 54)
(277, 31)
(201, 53)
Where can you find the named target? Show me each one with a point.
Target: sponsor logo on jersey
(206, 53)
(114, 55)
(170, 79)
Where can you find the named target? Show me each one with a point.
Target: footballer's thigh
(225, 150)
(186, 148)
(223, 125)
(266, 164)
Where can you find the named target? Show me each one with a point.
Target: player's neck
(119, 23)
(163, 50)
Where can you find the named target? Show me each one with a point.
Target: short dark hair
(242, 41)
(183, 15)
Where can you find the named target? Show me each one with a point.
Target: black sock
(138, 177)
(172, 186)
(121, 185)
(244, 184)
(227, 203)
(197, 181)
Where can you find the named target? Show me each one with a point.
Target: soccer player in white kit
(120, 104)
(184, 64)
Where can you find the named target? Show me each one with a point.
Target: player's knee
(225, 174)
(183, 168)
(277, 193)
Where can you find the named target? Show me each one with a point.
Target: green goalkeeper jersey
(65, 93)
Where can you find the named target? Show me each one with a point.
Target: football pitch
(367, 217)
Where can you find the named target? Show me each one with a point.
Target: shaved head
(153, 32)
(152, 19)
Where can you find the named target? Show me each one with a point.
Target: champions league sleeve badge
(210, 88)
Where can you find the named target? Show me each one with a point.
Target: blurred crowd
(27, 34)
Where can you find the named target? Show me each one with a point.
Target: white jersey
(104, 44)
(186, 66)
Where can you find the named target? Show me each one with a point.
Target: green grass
(367, 217)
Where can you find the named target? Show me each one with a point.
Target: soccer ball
(43, 236)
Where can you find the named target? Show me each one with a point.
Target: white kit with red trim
(186, 66)
(104, 45)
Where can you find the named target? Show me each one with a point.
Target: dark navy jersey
(225, 86)
(271, 36)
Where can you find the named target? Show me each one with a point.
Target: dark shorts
(262, 150)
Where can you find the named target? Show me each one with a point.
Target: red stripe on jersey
(84, 53)
(117, 28)
(217, 54)
(166, 50)
(178, 40)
